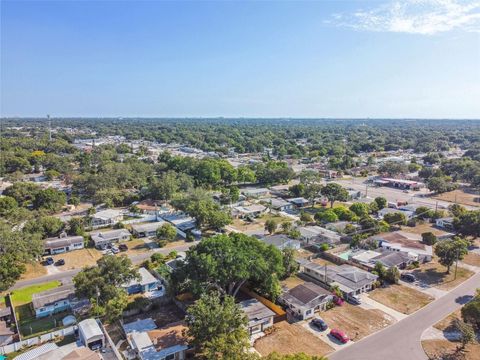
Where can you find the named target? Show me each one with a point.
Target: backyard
(78, 259)
(355, 321)
(288, 338)
(28, 325)
(401, 298)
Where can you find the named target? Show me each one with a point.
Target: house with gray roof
(349, 279)
(304, 300)
(259, 316)
(281, 241)
(52, 301)
(145, 284)
(104, 218)
(318, 234)
(147, 229)
(62, 244)
(280, 204)
(106, 238)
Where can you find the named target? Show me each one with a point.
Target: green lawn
(24, 295)
(35, 327)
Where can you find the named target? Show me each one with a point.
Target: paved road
(394, 195)
(401, 341)
(69, 274)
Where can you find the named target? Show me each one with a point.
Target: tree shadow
(463, 299)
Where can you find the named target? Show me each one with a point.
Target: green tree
(395, 218)
(50, 199)
(166, 232)
(271, 226)
(423, 212)
(429, 238)
(305, 217)
(326, 216)
(227, 262)
(448, 251)
(46, 226)
(334, 192)
(217, 327)
(76, 226)
(381, 202)
(392, 275)
(286, 226)
(289, 263)
(7, 205)
(102, 284)
(471, 311)
(360, 209)
(467, 333)
(380, 270)
(468, 223)
(440, 185)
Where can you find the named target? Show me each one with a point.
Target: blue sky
(412, 58)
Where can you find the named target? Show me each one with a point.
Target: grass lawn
(24, 295)
(288, 338)
(33, 270)
(356, 321)
(401, 298)
(434, 274)
(30, 327)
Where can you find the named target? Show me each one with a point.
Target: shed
(90, 334)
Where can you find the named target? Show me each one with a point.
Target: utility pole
(456, 265)
(366, 190)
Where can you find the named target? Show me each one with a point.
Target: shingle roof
(61, 242)
(255, 310)
(53, 295)
(307, 292)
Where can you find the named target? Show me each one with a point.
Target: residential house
(281, 241)
(249, 211)
(405, 242)
(52, 301)
(363, 257)
(255, 192)
(62, 244)
(317, 234)
(147, 283)
(90, 334)
(151, 207)
(7, 333)
(349, 279)
(181, 221)
(280, 190)
(280, 204)
(168, 342)
(147, 229)
(259, 316)
(445, 223)
(304, 300)
(106, 218)
(104, 239)
(396, 259)
(298, 202)
(400, 183)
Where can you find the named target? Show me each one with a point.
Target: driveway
(324, 336)
(368, 303)
(425, 288)
(401, 341)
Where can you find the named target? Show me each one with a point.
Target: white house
(62, 244)
(147, 229)
(255, 192)
(408, 214)
(281, 241)
(253, 210)
(445, 223)
(107, 217)
(318, 234)
(259, 316)
(103, 239)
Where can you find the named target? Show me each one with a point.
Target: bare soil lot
(434, 274)
(472, 259)
(447, 323)
(291, 282)
(423, 228)
(34, 270)
(78, 259)
(288, 338)
(258, 225)
(401, 298)
(447, 350)
(161, 314)
(459, 196)
(135, 246)
(355, 321)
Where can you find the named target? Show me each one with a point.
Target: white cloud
(426, 17)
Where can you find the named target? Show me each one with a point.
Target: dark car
(60, 262)
(49, 261)
(319, 324)
(339, 335)
(123, 247)
(408, 277)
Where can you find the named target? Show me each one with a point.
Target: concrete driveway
(324, 336)
(369, 303)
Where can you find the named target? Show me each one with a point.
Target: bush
(157, 258)
(429, 238)
(324, 247)
(162, 243)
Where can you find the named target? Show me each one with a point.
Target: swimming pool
(345, 255)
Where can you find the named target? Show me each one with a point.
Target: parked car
(60, 262)
(339, 335)
(408, 277)
(354, 299)
(115, 250)
(319, 324)
(49, 261)
(123, 247)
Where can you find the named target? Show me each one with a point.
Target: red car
(340, 335)
(338, 301)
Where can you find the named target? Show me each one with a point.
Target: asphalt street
(401, 341)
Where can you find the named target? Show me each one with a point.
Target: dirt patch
(161, 314)
(472, 259)
(288, 338)
(135, 247)
(446, 324)
(322, 262)
(423, 228)
(447, 350)
(401, 298)
(291, 282)
(355, 321)
(434, 274)
(78, 259)
(33, 270)
(459, 196)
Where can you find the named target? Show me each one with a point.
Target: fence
(6, 349)
(143, 218)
